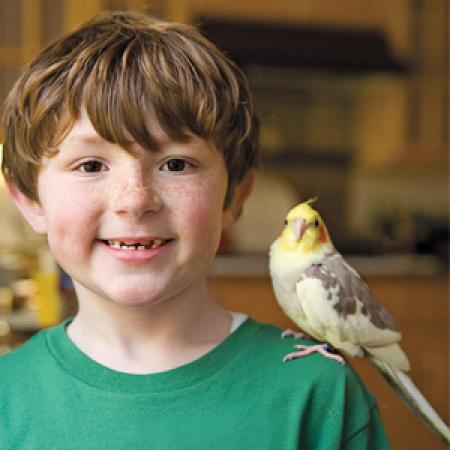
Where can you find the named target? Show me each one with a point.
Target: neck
(151, 339)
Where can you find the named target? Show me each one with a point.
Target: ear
(241, 193)
(30, 209)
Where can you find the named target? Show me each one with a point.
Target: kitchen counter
(368, 266)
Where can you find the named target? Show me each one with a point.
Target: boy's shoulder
(315, 385)
(312, 387)
(265, 353)
(269, 346)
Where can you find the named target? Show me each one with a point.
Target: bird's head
(304, 230)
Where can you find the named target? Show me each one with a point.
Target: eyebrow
(86, 138)
(93, 139)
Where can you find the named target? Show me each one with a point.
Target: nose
(134, 194)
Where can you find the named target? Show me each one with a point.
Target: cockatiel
(322, 294)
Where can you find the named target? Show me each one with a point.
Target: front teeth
(137, 246)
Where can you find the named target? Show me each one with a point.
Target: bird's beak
(299, 227)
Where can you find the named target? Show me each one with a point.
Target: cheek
(71, 223)
(203, 229)
(199, 209)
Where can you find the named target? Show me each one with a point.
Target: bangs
(135, 80)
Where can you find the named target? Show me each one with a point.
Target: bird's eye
(316, 223)
(286, 222)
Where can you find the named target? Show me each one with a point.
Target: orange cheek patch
(322, 234)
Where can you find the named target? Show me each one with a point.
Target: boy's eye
(175, 165)
(92, 166)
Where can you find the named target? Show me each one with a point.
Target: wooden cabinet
(385, 14)
(404, 120)
(421, 309)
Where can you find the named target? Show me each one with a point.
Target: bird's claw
(324, 349)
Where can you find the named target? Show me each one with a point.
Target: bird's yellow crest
(304, 211)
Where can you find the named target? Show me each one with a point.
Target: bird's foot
(324, 349)
(295, 334)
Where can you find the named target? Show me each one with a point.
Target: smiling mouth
(135, 245)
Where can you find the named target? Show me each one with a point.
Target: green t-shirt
(240, 395)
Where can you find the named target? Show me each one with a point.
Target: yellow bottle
(48, 304)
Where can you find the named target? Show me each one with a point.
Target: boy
(132, 144)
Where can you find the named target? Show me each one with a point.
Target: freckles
(199, 204)
(195, 203)
(71, 223)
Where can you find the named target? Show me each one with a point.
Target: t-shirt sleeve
(341, 414)
(365, 429)
(370, 437)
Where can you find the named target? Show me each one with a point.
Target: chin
(135, 298)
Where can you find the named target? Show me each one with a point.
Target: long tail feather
(407, 390)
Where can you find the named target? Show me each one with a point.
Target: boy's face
(167, 205)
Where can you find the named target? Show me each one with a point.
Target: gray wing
(337, 274)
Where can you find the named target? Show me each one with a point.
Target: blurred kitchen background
(353, 96)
